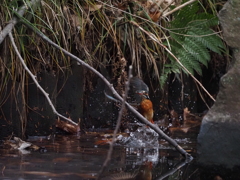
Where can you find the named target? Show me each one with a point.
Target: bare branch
(14, 21)
(144, 120)
(36, 82)
(118, 123)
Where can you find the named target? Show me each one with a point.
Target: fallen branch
(117, 125)
(153, 126)
(36, 82)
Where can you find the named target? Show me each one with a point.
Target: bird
(140, 92)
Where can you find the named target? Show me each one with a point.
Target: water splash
(141, 138)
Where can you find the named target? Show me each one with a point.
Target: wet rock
(219, 134)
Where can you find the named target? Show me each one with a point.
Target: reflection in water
(144, 146)
(172, 171)
(144, 172)
(76, 157)
(143, 155)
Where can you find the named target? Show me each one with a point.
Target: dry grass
(100, 33)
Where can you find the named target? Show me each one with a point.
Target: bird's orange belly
(146, 109)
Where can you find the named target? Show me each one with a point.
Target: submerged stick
(36, 82)
(144, 120)
(172, 171)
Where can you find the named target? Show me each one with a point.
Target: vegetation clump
(109, 36)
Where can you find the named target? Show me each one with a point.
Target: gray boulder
(219, 137)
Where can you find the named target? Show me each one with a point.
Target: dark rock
(219, 135)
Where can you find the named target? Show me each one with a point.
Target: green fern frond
(207, 39)
(197, 50)
(182, 16)
(192, 39)
(190, 63)
(169, 68)
(203, 21)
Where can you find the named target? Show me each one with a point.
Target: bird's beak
(146, 96)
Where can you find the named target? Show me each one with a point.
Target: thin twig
(172, 171)
(200, 93)
(154, 38)
(166, 8)
(117, 125)
(36, 82)
(179, 7)
(111, 98)
(141, 118)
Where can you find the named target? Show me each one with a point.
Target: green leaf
(192, 39)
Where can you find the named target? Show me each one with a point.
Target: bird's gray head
(143, 94)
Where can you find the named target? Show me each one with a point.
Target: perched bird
(140, 92)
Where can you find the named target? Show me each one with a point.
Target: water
(81, 157)
(142, 137)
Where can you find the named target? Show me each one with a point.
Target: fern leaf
(190, 63)
(197, 50)
(191, 40)
(207, 39)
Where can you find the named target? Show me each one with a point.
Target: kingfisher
(141, 94)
